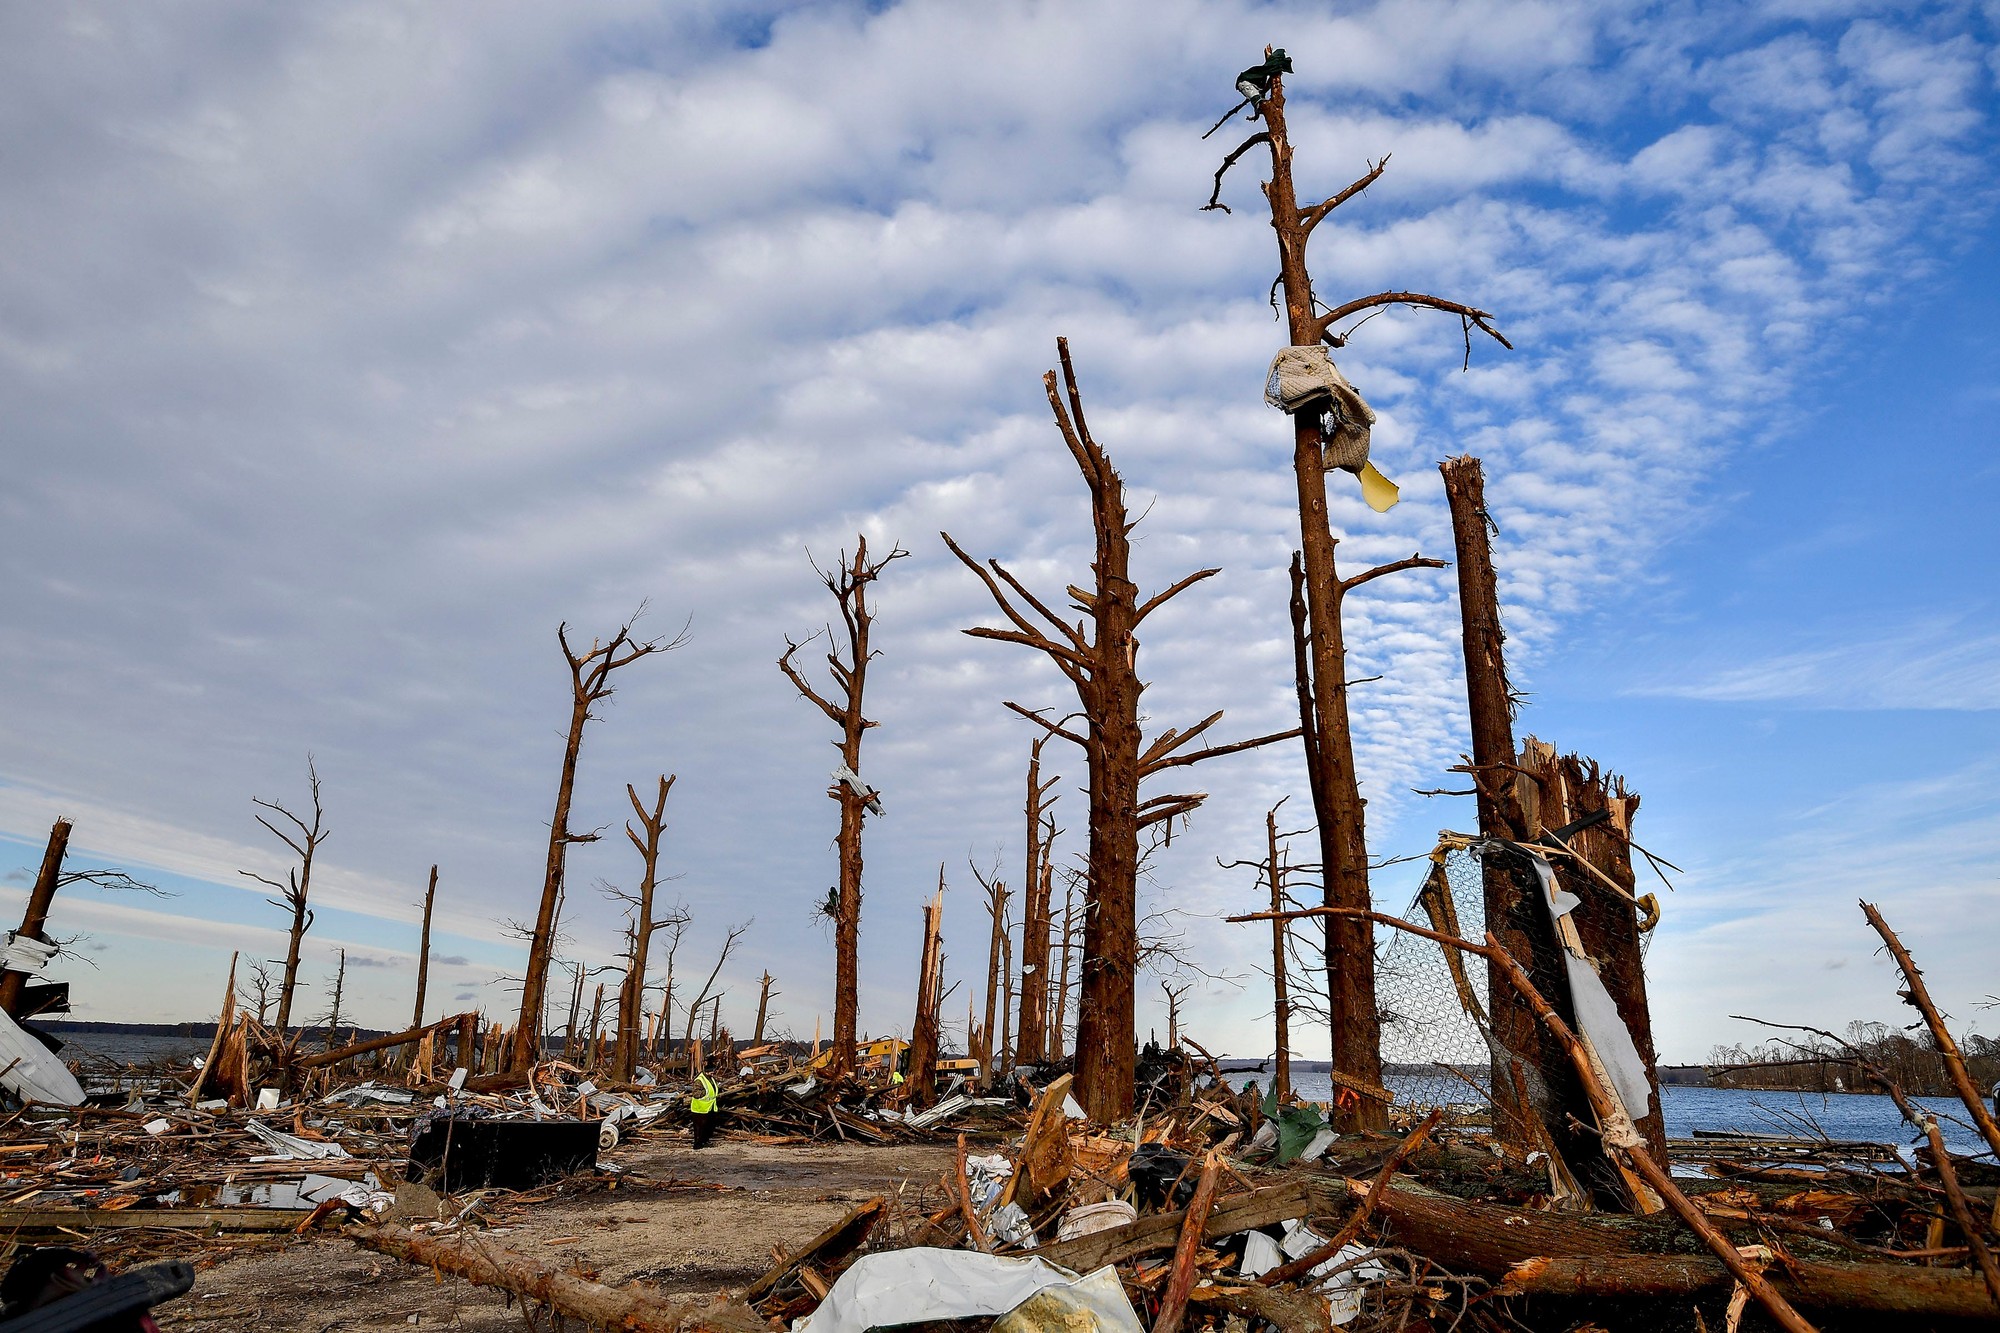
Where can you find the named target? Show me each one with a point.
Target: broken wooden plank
(179, 1219)
(828, 1248)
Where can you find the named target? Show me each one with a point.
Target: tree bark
(36, 918)
(849, 586)
(1032, 1038)
(1356, 1033)
(424, 951)
(1514, 911)
(1563, 789)
(590, 684)
(924, 1026)
(638, 1307)
(1103, 669)
(632, 994)
(1281, 1007)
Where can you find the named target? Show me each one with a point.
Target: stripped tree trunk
(1350, 947)
(1103, 669)
(1032, 1039)
(848, 582)
(632, 994)
(304, 840)
(590, 684)
(924, 1027)
(36, 918)
(1281, 1009)
(424, 951)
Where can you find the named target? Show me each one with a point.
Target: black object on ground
(456, 1152)
(1155, 1172)
(69, 1291)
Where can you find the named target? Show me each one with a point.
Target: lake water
(1863, 1117)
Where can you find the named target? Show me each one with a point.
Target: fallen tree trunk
(1162, 1231)
(403, 1038)
(1936, 1293)
(636, 1308)
(1608, 1256)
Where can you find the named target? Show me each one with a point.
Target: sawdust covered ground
(713, 1227)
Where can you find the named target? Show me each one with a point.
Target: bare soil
(685, 1221)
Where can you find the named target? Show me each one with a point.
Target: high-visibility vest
(704, 1104)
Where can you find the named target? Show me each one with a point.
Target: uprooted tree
(848, 582)
(590, 685)
(1099, 655)
(1329, 744)
(304, 840)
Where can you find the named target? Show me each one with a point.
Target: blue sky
(344, 352)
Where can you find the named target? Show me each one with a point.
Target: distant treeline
(1811, 1063)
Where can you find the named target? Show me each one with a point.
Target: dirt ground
(714, 1225)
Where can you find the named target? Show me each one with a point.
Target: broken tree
(424, 951)
(1329, 743)
(1102, 666)
(590, 685)
(848, 582)
(632, 992)
(35, 919)
(1032, 1041)
(297, 886)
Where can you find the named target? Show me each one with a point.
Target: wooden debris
(636, 1307)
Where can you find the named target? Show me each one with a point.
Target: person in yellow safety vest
(705, 1111)
(896, 1076)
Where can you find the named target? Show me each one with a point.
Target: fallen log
(1162, 1231)
(1894, 1289)
(636, 1307)
(403, 1038)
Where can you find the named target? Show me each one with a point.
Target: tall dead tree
(1036, 886)
(1514, 912)
(304, 840)
(36, 918)
(1101, 663)
(424, 951)
(632, 992)
(590, 685)
(848, 582)
(1350, 940)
